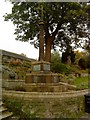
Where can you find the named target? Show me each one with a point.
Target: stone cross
(41, 37)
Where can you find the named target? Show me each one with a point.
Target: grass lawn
(81, 82)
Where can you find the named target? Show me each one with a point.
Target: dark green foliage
(72, 57)
(64, 58)
(56, 61)
(64, 69)
(57, 66)
(14, 106)
(64, 22)
(82, 63)
(88, 62)
(66, 54)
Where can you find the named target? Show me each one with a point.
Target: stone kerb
(28, 95)
(12, 84)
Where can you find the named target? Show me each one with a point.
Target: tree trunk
(48, 42)
(48, 49)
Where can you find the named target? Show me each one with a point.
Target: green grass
(81, 82)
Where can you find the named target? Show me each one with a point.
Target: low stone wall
(68, 86)
(12, 84)
(50, 87)
(49, 105)
(20, 85)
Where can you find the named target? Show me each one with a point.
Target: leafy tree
(55, 56)
(87, 45)
(64, 24)
(78, 55)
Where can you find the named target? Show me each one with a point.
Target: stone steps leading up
(4, 113)
(1, 103)
(2, 109)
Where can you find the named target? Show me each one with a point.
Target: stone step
(1, 103)
(2, 109)
(6, 115)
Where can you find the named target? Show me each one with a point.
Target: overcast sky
(7, 37)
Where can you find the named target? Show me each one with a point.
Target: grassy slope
(81, 82)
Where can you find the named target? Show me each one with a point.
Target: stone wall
(12, 84)
(20, 85)
(15, 63)
(50, 105)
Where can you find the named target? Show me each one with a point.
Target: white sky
(7, 37)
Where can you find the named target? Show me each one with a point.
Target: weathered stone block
(41, 66)
(41, 78)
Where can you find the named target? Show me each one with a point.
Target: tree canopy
(65, 24)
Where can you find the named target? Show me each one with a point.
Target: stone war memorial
(41, 78)
(30, 89)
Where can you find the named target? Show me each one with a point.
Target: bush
(82, 63)
(61, 68)
(14, 106)
(57, 66)
(19, 108)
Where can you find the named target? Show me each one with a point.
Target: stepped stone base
(43, 87)
(42, 78)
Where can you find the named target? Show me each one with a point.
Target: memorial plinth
(41, 73)
(41, 66)
(41, 78)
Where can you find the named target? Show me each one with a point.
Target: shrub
(14, 105)
(60, 68)
(82, 63)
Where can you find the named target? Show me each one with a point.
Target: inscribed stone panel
(46, 67)
(36, 68)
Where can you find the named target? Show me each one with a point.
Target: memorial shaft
(41, 47)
